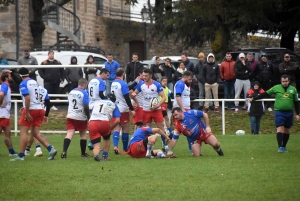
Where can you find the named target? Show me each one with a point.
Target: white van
(65, 58)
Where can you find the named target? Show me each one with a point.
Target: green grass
(250, 170)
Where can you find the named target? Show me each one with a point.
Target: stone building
(104, 24)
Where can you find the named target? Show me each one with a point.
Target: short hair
(104, 70)
(50, 52)
(156, 58)
(82, 81)
(250, 53)
(228, 53)
(164, 78)
(284, 76)
(168, 59)
(109, 54)
(135, 54)
(4, 75)
(141, 70)
(184, 53)
(147, 71)
(120, 72)
(178, 109)
(139, 124)
(187, 74)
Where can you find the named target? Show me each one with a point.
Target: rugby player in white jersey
(97, 91)
(182, 96)
(32, 115)
(120, 89)
(45, 101)
(102, 112)
(78, 114)
(5, 105)
(152, 89)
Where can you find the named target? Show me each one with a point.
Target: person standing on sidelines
(152, 89)
(132, 68)
(73, 74)
(27, 59)
(112, 66)
(5, 105)
(52, 76)
(102, 112)
(120, 89)
(190, 125)
(32, 116)
(45, 101)
(198, 74)
(141, 143)
(286, 98)
(78, 114)
(164, 107)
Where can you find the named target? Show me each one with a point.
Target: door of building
(138, 47)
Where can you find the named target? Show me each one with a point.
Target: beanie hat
(24, 72)
(201, 55)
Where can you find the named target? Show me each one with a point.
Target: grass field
(250, 170)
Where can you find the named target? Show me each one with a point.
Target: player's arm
(163, 98)
(47, 104)
(101, 95)
(86, 110)
(206, 121)
(179, 90)
(3, 92)
(173, 142)
(128, 101)
(1, 97)
(159, 131)
(116, 114)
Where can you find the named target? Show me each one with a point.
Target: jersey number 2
(74, 104)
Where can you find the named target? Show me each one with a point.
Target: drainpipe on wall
(17, 30)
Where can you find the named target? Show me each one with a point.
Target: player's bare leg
(212, 140)
(160, 125)
(7, 140)
(23, 142)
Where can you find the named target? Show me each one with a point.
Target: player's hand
(249, 99)
(45, 120)
(137, 79)
(133, 112)
(167, 140)
(28, 117)
(3, 105)
(297, 117)
(208, 129)
(183, 110)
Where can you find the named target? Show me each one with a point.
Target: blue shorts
(284, 118)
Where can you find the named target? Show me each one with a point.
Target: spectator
(264, 75)
(3, 62)
(27, 59)
(112, 66)
(242, 82)
(179, 73)
(168, 72)
(52, 76)
(198, 73)
(157, 70)
(253, 63)
(73, 74)
(188, 64)
(288, 68)
(211, 74)
(256, 108)
(132, 69)
(90, 72)
(227, 74)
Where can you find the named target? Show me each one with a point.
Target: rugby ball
(240, 132)
(153, 101)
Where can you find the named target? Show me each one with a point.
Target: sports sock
(27, 148)
(105, 154)
(163, 140)
(116, 138)
(170, 131)
(189, 144)
(125, 138)
(49, 148)
(285, 139)
(149, 148)
(21, 155)
(11, 151)
(37, 145)
(83, 146)
(279, 139)
(160, 154)
(219, 151)
(67, 142)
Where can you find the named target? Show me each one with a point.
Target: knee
(216, 144)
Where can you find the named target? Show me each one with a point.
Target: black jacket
(168, 71)
(132, 70)
(210, 73)
(257, 107)
(288, 68)
(189, 66)
(240, 70)
(198, 71)
(52, 75)
(264, 72)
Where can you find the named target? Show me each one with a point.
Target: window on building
(99, 7)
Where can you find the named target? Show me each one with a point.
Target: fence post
(16, 118)
(223, 116)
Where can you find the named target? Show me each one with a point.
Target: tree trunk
(37, 26)
(221, 42)
(287, 38)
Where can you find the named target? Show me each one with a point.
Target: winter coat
(198, 71)
(189, 65)
(227, 70)
(240, 70)
(264, 72)
(132, 70)
(178, 75)
(288, 68)
(255, 108)
(210, 72)
(73, 74)
(52, 75)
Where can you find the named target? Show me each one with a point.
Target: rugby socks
(149, 148)
(11, 151)
(21, 155)
(38, 145)
(219, 151)
(163, 140)
(285, 139)
(49, 148)
(170, 131)
(83, 146)
(160, 154)
(125, 138)
(28, 148)
(189, 145)
(105, 154)
(67, 142)
(279, 139)
(116, 138)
